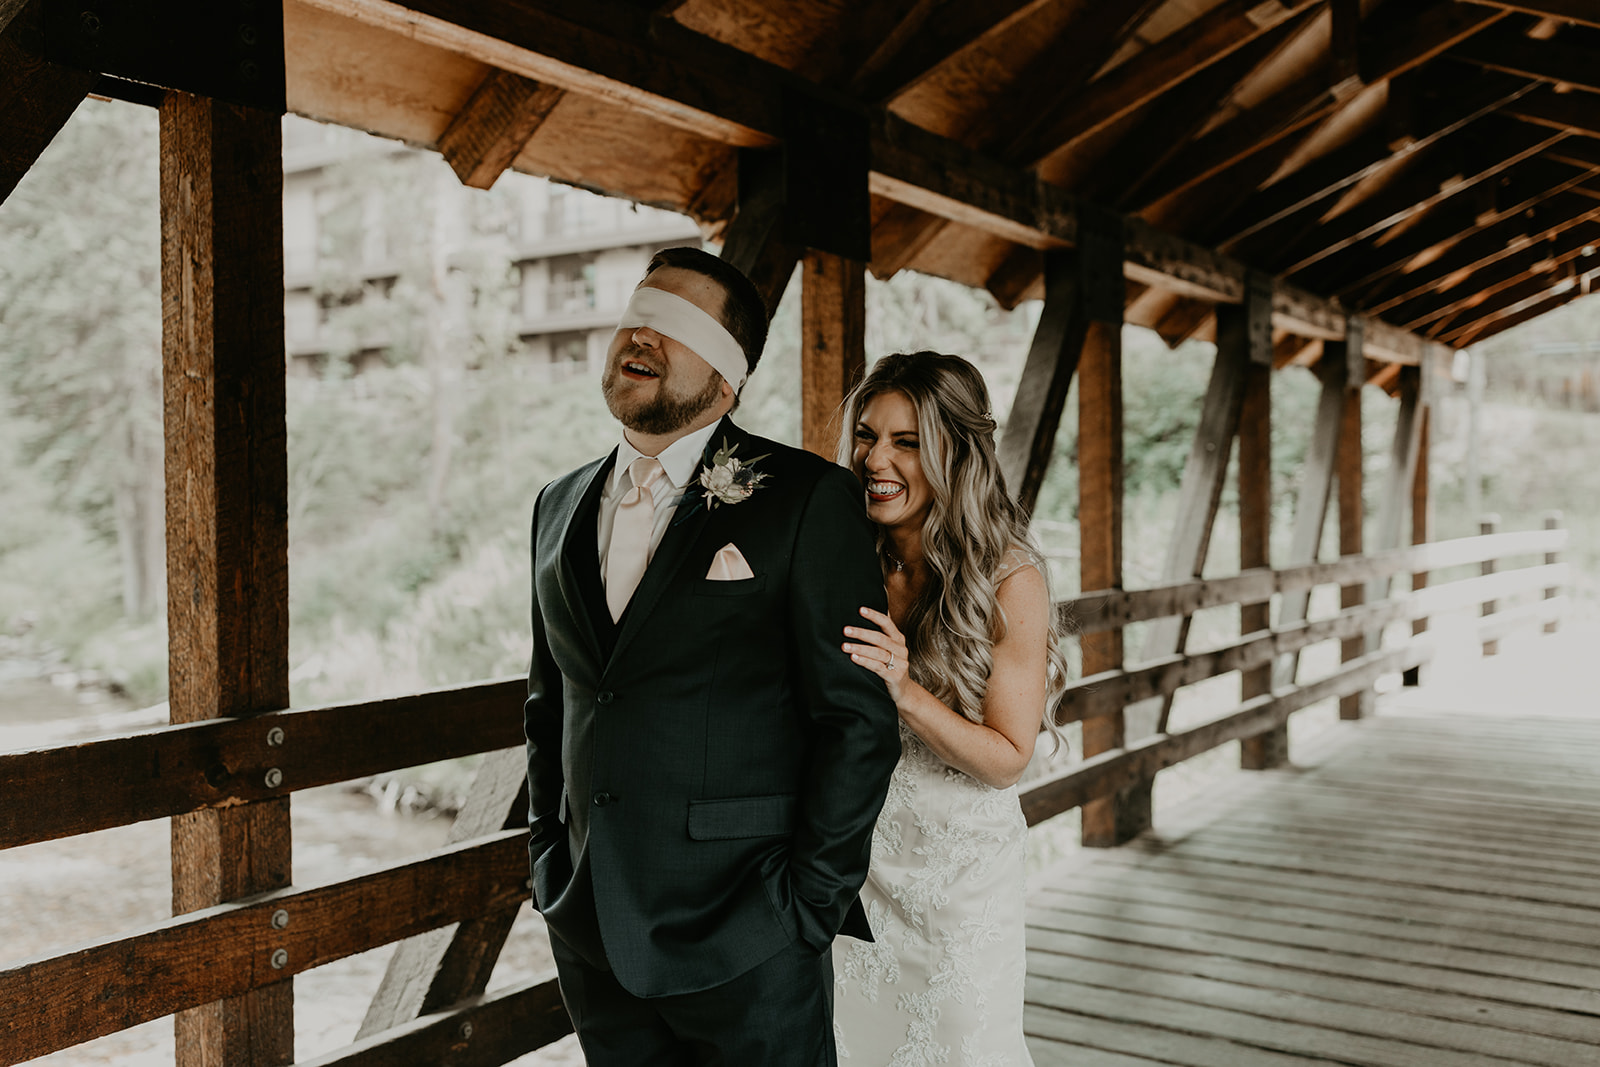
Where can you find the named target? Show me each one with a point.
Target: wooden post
(227, 520)
(1552, 521)
(1352, 520)
(1030, 435)
(833, 339)
(1311, 506)
(1269, 749)
(1109, 820)
(1487, 525)
(754, 240)
(1244, 338)
(1398, 485)
(1421, 528)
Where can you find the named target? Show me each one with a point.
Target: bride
(969, 654)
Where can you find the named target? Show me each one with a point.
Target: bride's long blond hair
(973, 530)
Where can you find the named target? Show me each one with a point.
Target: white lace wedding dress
(942, 984)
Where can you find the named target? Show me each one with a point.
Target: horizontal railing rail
(173, 770)
(91, 990)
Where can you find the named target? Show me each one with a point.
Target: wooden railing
(109, 985)
(1110, 691)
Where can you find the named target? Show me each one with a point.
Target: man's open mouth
(634, 368)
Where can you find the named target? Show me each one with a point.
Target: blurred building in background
(574, 256)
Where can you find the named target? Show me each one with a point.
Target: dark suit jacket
(704, 776)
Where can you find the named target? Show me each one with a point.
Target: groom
(704, 763)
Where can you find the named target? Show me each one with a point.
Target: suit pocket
(722, 820)
(737, 587)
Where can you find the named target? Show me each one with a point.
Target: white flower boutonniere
(730, 480)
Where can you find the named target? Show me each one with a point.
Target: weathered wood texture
(833, 344)
(250, 947)
(1352, 523)
(1029, 440)
(36, 96)
(490, 130)
(432, 971)
(1270, 749)
(482, 1032)
(1108, 820)
(1244, 339)
(227, 516)
(219, 763)
(1417, 893)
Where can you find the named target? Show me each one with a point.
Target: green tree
(80, 316)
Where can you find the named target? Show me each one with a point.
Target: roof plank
(1130, 85)
(1579, 11)
(489, 132)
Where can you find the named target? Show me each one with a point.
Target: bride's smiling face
(888, 461)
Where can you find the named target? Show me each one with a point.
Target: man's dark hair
(744, 313)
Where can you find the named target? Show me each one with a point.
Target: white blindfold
(672, 316)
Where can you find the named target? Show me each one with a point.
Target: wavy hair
(972, 529)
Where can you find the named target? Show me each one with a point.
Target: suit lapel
(682, 533)
(577, 552)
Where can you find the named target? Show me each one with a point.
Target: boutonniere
(729, 479)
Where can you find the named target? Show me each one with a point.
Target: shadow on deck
(1419, 890)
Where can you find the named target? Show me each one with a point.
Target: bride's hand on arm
(996, 751)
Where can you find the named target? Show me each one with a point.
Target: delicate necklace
(899, 564)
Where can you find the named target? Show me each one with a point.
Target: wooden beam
(36, 96)
(1436, 178)
(1311, 505)
(1352, 522)
(1304, 101)
(1270, 749)
(1244, 336)
(753, 241)
(223, 368)
(1580, 11)
(1163, 129)
(490, 130)
(492, 1029)
(606, 48)
(1422, 518)
(1486, 327)
(1113, 820)
(1540, 221)
(603, 48)
(222, 763)
(1573, 112)
(833, 354)
(1468, 326)
(1491, 279)
(1550, 61)
(900, 236)
(1398, 481)
(435, 970)
(1365, 156)
(941, 33)
(1130, 85)
(1056, 76)
(123, 980)
(1408, 35)
(1028, 443)
(1519, 202)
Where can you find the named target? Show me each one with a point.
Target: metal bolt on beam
(274, 777)
(280, 959)
(280, 919)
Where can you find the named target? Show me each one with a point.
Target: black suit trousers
(777, 1014)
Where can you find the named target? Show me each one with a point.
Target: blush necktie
(631, 533)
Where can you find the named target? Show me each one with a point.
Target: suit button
(605, 696)
(602, 799)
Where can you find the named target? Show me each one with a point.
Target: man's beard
(667, 413)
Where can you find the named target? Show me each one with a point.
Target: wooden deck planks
(1424, 893)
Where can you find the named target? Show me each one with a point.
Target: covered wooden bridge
(1353, 186)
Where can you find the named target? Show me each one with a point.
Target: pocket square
(729, 565)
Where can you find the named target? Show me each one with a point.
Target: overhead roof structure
(1432, 165)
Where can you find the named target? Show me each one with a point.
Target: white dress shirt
(678, 462)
